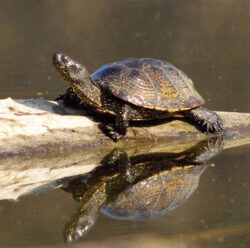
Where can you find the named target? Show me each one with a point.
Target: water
(208, 40)
(214, 211)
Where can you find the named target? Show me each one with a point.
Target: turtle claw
(207, 149)
(206, 120)
(213, 124)
(110, 131)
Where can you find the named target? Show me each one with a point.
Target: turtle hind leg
(206, 120)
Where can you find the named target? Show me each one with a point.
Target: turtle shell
(155, 196)
(149, 83)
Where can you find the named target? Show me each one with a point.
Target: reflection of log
(41, 142)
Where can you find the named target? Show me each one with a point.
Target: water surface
(208, 40)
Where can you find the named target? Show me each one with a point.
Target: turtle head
(79, 79)
(70, 69)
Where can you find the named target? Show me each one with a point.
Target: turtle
(137, 188)
(140, 89)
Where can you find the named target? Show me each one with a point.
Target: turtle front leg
(118, 131)
(120, 159)
(69, 98)
(205, 119)
(205, 150)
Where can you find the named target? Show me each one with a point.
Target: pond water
(170, 203)
(209, 40)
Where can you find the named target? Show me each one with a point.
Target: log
(36, 126)
(42, 141)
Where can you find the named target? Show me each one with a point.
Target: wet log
(42, 141)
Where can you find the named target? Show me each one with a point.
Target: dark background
(209, 40)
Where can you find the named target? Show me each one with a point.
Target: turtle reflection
(140, 187)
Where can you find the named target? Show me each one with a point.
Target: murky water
(173, 200)
(208, 40)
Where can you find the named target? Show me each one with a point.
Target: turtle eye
(73, 67)
(64, 59)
